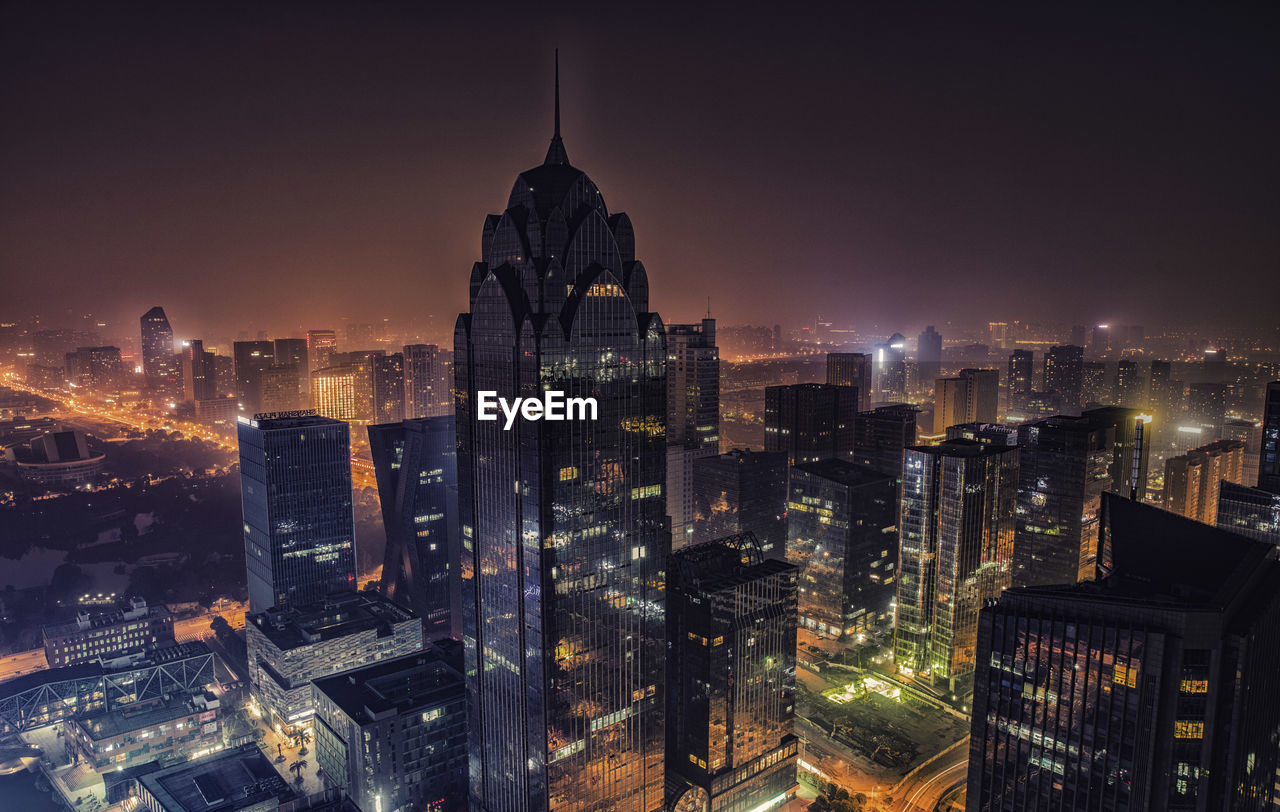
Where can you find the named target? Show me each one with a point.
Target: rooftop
(338, 615)
(140, 716)
(398, 686)
(137, 610)
(846, 473)
(220, 782)
(275, 421)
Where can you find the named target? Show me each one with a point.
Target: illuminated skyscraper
(742, 492)
(416, 466)
(97, 370)
(427, 388)
(881, 435)
(810, 421)
(1250, 512)
(1064, 471)
(1191, 481)
(1130, 448)
(321, 345)
(693, 416)
(295, 490)
(1093, 383)
(1063, 374)
(891, 370)
(1021, 378)
(158, 360)
(388, 388)
(293, 352)
(1269, 451)
(1153, 688)
(199, 373)
(1129, 389)
(851, 369)
(731, 634)
(563, 524)
(956, 553)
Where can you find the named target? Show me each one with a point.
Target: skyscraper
(199, 373)
(1129, 389)
(295, 490)
(742, 492)
(1063, 374)
(929, 353)
(416, 466)
(956, 553)
(1269, 452)
(1021, 378)
(841, 534)
(388, 388)
(426, 382)
(1207, 406)
(731, 633)
(1130, 448)
(252, 358)
(693, 416)
(950, 401)
(810, 421)
(891, 370)
(881, 435)
(851, 369)
(321, 345)
(563, 523)
(1064, 470)
(1191, 481)
(1093, 383)
(293, 352)
(982, 395)
(1153, 688)
(158, 360)
(1250, 512)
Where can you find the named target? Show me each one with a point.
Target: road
(24, 662)
(925, 789)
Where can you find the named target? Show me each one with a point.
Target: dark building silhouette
(1063, 374)
(199, 372)
(1064, 471)
(159, 364)
(1269, 451)
(851, 369)
(1207, 407)
(929, 354)
(1021, 378)
(416, 466)
(731, 631)
(810, 421)
(881, 435)
(956, 532)
(1151, 688)
(1250, 512)
(982, 395)
(742, 492)
(563, 524)
(295, 489)
(842, 535)
(252, 359)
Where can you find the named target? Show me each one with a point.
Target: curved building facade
(564, 528)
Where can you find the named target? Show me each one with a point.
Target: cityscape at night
(857, 408)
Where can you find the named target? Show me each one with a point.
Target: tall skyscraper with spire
(563, 524)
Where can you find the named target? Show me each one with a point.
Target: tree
(296, 768)
(836, 799)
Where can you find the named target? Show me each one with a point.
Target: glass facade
(563, 524)
(956, 553)
(810, 421)
(299, 531)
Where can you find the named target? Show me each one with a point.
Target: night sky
(279, 166)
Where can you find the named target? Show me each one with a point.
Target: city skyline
(882, 149)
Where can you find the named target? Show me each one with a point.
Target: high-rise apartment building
(1191, 481)
(1153, 688)
(851, 369)
(810, 421)
(321, 345)
(388, 388)
(950, 403)
(564, 524)
(427, 383)
(693, 416)
(842, 535)
(1021, 378)
(731, 636)
(1130, 389)
(1064, 470)
(982, 395)
(956, 552)
(1063, 374)
(416, 466)
(299, 531)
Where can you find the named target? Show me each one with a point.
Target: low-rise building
(172, 729)
(93, 636)
(394, 734)
(290, 648)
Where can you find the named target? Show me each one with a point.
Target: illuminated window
(1184, 729)
(568, 474)
(1126, 675)
(1195, 686)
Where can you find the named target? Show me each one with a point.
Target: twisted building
(564, 529)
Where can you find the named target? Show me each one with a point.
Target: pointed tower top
(556, 153)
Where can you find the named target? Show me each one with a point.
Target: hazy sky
(280, 165)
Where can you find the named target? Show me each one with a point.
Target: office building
(321, 345)
(235, 780)
(1000, 434)
(1191, 481)
(982, 395)
(199, 373)
(1063, 375)
(416, 466)
(929, 354)
(950, 403)
(1093, 383)
(882, 435)
(890, 382)
(1269, 450)
(92, 637)
(281, 389)
(394, 734)
(1249, 433)
(428, 391)
(1064, 471)
(564, 524)
(693, 416)
(842, 535)
(1130, 389)
(956, 532)
(1130, 448)
(95, 370)
(299, 530)
(164, 729)
(1250, 512)
(288, 648)
(336, 394)
(851, 369)
(159, 364)
(742, 492)
(1021, 378)
(810, 421)
(1152, 688)
(731, 633)
(388, 388)
(252, 359)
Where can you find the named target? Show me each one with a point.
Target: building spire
(556, 153)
